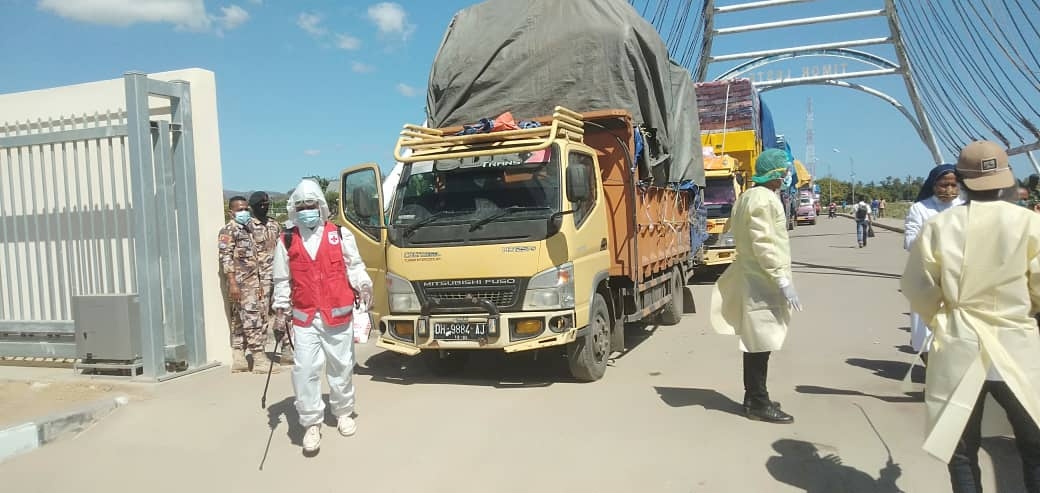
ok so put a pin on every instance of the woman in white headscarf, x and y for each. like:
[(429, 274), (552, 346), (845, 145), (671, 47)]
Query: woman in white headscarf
[(318, 269), (939, 192)]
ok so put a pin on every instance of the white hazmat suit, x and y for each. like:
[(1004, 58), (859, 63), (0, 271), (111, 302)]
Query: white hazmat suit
[(318, 344)]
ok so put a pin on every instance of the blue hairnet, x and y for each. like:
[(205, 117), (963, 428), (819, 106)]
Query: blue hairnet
[(770, 165)]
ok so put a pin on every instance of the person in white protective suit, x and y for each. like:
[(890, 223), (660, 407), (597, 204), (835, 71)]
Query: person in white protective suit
[(754, 297), (973, 275), (318, 272), (939, 192)]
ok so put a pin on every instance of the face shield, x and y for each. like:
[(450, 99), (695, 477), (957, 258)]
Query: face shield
[(306, 193)]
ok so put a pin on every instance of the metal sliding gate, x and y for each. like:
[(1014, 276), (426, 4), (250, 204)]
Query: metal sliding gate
[(97, 205)]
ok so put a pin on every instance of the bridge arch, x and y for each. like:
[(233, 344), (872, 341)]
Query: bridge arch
[(857, 55)]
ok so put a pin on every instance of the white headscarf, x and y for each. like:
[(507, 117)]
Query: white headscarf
[(308, 189)]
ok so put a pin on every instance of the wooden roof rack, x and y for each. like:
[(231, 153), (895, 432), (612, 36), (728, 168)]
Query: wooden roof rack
[(427, 144)]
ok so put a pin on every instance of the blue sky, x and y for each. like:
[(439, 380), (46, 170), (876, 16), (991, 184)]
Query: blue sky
[(311, 87)]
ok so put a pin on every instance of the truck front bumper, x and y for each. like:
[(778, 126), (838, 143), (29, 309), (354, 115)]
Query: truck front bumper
[(509, 332), (719, 256)]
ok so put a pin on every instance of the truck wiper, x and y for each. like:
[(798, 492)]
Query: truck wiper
[(504, 212), (429, 219)]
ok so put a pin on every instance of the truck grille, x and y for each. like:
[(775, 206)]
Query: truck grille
[(713, 239), (453, 295)]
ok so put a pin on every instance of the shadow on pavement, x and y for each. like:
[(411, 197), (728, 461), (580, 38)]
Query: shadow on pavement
[(485, 368), (804, 466), (821, 234), (892, 370), (635, 334), (1007, 466), (846, 269), (708, 399), (905, 348), (815, 389), (286, 408)]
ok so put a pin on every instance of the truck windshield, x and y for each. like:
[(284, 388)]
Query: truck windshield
[(477, 199), (719, 196)]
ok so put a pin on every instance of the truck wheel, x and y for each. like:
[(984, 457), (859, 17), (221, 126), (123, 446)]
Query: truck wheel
[(451, 363), (587, 356), (672, 312)]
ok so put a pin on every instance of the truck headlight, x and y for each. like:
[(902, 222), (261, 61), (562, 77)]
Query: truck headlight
[(402, 294), (552, 289), (726, 239)]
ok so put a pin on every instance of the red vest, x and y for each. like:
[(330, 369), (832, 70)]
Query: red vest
[(320, 285)]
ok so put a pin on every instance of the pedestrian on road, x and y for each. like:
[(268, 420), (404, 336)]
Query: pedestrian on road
[(974, 276), (863, 214), (240, 246), (881, 208), (755, 296), (268, 231), (319, 271), (939, 193)]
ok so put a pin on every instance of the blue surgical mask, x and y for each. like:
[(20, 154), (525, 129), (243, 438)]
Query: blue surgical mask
[(243, 217), (309, 218)]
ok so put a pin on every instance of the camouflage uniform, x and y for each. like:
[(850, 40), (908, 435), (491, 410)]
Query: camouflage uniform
[(240, 253), (266, 237)]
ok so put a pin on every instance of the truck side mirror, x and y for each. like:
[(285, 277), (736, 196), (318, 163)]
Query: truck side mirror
[(363, 205), (577, 183)]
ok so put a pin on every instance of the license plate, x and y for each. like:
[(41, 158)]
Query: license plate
[(459, 331)]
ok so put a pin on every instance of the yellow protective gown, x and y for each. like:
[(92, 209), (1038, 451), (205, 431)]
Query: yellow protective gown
[(747, 300), (974, 277)]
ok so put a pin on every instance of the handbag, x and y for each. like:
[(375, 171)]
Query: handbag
[(870, 231)]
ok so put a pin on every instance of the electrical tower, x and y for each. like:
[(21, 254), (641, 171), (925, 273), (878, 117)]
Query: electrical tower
[(810, 146)]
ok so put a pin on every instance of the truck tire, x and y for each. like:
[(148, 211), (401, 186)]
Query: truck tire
[(672, 312), (452, 363), (588, 355)]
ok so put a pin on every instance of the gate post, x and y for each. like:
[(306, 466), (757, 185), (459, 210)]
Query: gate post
[(144, 226)]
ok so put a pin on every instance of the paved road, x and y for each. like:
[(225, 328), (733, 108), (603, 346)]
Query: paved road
[(666, 418)]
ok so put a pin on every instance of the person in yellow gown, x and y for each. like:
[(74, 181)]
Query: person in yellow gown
[(973, 275), (754, 297)]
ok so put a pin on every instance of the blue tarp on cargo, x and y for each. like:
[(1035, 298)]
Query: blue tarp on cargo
[(767, 127)]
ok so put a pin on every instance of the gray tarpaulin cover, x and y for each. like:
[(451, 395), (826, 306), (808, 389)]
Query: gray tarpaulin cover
[(529, 56)]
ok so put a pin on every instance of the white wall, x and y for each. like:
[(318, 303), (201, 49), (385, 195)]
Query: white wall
[(109, 96)]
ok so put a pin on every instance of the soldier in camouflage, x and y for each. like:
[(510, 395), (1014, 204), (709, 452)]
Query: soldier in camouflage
[(268, 232), (240, 243)]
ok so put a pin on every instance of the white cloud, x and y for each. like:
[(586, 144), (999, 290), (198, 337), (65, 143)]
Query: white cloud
[(311, 23), (232, 17), (347, 42), (312, 152), (362, 68), (189, 14), (391, 19), (407, 90)]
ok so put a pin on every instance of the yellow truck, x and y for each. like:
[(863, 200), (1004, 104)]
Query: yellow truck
[(549, 198), (520, 240), (735, 127)]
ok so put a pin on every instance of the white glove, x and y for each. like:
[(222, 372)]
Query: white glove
[(787, 288)]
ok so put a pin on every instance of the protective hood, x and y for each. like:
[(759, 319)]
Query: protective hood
[(308, 189)]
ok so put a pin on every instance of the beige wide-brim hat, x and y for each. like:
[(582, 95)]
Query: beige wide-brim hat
[(983, 165)]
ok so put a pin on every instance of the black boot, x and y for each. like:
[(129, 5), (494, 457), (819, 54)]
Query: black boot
[(747, 404), (770, 414)]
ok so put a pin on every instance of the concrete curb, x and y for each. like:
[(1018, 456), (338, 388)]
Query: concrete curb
[(39, 432), (896, 229)]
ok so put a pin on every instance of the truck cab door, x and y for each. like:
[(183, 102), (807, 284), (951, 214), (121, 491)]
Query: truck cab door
[(361, 212)]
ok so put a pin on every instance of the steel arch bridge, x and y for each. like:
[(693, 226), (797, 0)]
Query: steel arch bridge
[(996, 106), (915, 114)]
